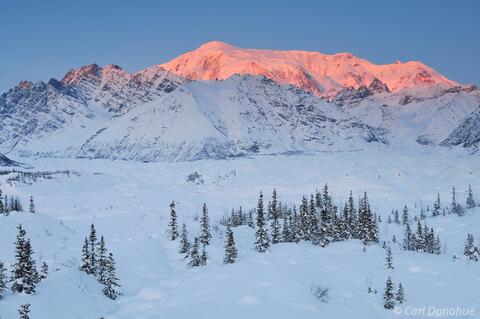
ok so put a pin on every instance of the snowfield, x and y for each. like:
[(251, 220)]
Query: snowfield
[(128, 203)]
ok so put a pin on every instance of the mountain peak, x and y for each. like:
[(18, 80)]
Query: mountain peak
[(215, 45), (318, 73)]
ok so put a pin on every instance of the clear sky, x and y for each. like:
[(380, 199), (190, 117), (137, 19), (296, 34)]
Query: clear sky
[(41, 39)]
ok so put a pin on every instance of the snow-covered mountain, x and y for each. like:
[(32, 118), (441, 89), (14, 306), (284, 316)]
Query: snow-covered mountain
[(221, 101), (318, 73)]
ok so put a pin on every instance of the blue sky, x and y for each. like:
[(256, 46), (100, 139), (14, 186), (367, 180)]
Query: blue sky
[(44, 39)]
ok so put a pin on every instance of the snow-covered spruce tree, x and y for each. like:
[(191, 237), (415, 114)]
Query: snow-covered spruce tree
[(437, 246), (3, 279), (31, 207), (173, 222), (408, 243), (312, 218), (388, 258), (388, 298), (323, 231), (436, 206), (352, 216), (205, 234), (367, 223), (262, 241), (111, 284), (455, 208), (230, 250), (275, 217), (184, 243), (470, 199), (24, 276), (24, 311), (400, 297), (195, 258), (304, 220), (327, 200), (419, 243), (86, 258), (250, 222), (102, 262), (204, 256), (318, 199), (43, 271), (240, 217), (396, 217), (470, 251), (405, 216), (286, 228), (92, 243)]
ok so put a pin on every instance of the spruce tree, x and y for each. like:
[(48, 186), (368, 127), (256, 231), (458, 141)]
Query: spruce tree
[(24, 273), (388, 258), (419, 243), (388, 298), (205, 235), (455, 207), (250, 222), (470, 251), (408, 238), (436, 206), (173, 222), (286, 229), (24, 311), (470, 200), (31, 207), (86, 258), (400, 294), (204, 256), (230, 250), (195, 258), (262, 241), (43, 271), (3, 279), (275, 217), (92, 243), (405, 215), (102, 262), (396, 217), (111, 284), (184, 243), (323, 231)]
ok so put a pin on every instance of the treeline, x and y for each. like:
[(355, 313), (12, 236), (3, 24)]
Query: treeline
[(10, 204)]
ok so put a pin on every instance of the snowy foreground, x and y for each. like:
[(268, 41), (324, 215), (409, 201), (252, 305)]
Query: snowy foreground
[(128, 202)]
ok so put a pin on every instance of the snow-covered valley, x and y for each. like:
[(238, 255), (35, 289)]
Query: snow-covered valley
[(129, 204)]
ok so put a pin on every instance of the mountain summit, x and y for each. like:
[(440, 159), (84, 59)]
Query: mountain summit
[(321, 74)]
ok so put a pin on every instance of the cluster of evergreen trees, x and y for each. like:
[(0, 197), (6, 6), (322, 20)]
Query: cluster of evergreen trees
[(422, 240), (454, 207), (24, 274), (12, 204), (97, 261), (196, 253), (390, 298), (315, 219)]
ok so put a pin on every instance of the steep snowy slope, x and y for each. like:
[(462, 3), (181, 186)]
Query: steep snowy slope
[(242, 115), (412, 116), (467, 134), (311, 71)]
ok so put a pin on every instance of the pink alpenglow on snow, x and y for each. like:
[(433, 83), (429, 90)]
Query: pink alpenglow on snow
[(322, 74)]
